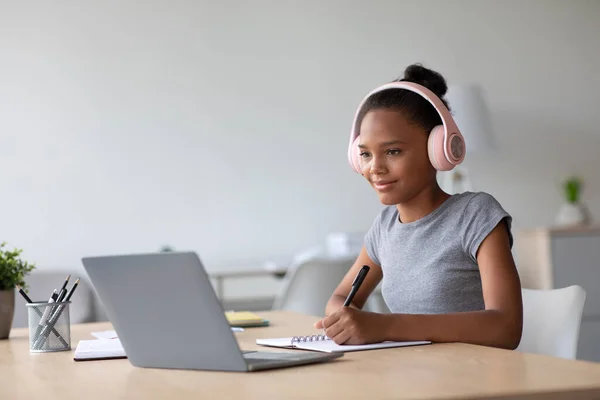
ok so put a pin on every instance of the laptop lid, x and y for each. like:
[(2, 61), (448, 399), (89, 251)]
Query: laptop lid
[(165, 311)]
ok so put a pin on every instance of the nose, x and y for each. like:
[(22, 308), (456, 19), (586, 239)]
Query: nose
[(377, 165)]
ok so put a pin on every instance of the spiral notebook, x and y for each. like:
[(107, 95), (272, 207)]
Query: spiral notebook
[(324, 344)]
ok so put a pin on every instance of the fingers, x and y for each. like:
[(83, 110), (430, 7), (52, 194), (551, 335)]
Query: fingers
[(319, 324), (342, 337), (334, 330), (330, 320)]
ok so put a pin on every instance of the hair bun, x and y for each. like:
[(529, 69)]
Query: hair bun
[(432, 80)]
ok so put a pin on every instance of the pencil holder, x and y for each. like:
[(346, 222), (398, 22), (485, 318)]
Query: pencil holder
[(49, 327)]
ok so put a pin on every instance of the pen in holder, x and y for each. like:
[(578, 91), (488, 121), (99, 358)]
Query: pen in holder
[(49, 327)]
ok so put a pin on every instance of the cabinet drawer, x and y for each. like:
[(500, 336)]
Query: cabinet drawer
[(576, 261)]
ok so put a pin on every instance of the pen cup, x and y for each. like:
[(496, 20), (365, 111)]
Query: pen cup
[(49, 327)]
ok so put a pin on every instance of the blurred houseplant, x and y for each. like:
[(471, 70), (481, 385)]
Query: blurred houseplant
[(572, 211), (167, 249), (12, 272)]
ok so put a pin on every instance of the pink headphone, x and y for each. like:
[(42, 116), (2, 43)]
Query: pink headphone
[(445, 146)]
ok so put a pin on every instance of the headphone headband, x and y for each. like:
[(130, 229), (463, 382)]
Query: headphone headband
[(449, 125)]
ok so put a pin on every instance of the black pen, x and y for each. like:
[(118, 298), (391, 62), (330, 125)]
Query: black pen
[(360, 277), (57, 313), (47, 309), (63, 290), (72, 290)]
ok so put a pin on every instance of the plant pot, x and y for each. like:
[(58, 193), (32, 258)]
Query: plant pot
[(571, 214), (7, 311)]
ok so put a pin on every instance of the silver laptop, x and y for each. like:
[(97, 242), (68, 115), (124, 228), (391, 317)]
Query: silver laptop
[(167, 315)]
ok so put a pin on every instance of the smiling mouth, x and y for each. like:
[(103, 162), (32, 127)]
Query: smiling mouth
[(383, 185)]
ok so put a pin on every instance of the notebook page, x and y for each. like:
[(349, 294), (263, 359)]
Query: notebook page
[(278, 342), (329, 346)]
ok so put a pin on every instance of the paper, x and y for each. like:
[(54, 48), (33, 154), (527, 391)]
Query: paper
[(329, 346), (99, 349), (245, 319), (105, 335)]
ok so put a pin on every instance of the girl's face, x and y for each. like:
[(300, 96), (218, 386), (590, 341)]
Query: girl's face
[(393, 156)]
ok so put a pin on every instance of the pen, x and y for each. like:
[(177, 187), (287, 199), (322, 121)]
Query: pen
[(63, 289), (52, 299), (360, 277), (47, 310)]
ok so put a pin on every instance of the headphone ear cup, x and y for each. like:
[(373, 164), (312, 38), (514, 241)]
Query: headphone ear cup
[(355, 156), (435, 149)]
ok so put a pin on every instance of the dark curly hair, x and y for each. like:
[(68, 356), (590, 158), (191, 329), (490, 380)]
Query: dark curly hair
[(414, 107)]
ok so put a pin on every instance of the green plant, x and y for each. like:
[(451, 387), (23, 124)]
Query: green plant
[(12, 269), (572, 188), (167, 249)]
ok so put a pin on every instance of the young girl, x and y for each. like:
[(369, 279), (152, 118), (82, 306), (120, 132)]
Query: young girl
[(445, 260)]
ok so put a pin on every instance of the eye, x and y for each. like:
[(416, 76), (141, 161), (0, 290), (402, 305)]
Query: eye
[(394, 152), (364, 154)]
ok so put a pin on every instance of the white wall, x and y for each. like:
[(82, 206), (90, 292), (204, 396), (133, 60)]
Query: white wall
[(222, 128)]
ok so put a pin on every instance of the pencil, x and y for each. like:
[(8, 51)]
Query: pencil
[(20, 289), (72, 290)]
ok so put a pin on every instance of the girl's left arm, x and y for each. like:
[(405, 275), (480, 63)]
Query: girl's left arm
[(499, 325)]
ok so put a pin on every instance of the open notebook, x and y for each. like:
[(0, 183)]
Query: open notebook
[(326, 345), (99, 349)]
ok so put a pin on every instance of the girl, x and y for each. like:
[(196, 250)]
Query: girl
[(445, 261)]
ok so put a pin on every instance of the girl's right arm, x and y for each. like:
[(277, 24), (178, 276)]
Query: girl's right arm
[(369, 284)]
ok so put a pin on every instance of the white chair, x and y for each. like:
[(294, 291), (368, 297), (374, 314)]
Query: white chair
[(552, 320), (309, 284)]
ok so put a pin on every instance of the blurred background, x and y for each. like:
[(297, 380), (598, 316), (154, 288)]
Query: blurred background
[(222, 127)]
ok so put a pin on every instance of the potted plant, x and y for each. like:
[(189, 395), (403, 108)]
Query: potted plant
[(166, 249), (572, 211), (12, 272)]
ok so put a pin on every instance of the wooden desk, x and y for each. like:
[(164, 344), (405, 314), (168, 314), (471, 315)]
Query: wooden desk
[(441, 371)]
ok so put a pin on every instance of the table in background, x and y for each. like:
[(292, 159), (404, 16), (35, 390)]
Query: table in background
[(219, 275), (433, 371)]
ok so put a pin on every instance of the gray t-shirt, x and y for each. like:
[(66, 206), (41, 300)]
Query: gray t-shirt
[(429, 265)]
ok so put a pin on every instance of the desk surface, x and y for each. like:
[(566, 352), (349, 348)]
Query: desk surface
[(432, 371)]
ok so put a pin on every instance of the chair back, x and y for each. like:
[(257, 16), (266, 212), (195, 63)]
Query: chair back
[(308, 286), (552, 321)]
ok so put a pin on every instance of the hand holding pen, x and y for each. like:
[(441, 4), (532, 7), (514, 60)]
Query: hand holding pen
[(349, 325)]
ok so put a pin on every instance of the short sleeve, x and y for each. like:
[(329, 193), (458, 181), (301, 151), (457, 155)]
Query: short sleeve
[(481, 215), (372, 240)]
